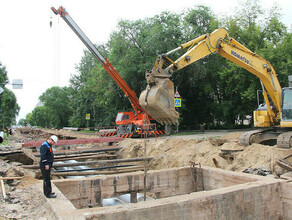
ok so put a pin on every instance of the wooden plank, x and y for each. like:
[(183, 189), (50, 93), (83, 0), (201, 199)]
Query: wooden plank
[(284, 164), (290, 155), (124, 170), (3, 189), (100, 162), (133, 197), (10, 178), (76, 141), (10, 152)]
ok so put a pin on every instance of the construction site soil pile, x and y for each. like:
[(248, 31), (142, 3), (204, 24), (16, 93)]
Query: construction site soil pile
[(223, 152)]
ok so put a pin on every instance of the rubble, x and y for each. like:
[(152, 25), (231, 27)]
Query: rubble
[(262, 171)]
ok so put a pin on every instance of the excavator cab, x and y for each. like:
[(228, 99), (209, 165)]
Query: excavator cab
[(287, 104)]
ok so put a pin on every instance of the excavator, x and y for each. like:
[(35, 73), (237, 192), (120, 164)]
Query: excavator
[(129, 124), (273, 118)]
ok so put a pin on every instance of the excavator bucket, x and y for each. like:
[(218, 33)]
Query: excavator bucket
[(158, 101)]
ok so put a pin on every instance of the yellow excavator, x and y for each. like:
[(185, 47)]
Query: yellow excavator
[(274, 117)]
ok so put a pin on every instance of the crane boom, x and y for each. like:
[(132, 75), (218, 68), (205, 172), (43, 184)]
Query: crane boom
[(104, 62)]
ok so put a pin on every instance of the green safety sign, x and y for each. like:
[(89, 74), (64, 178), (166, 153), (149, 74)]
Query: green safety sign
[(87, 117)]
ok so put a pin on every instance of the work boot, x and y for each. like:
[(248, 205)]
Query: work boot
[(51, 196), (52, 193)]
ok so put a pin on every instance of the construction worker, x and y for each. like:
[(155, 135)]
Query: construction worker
[(46, 163)]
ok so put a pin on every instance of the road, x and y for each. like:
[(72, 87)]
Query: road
[(202, 135)]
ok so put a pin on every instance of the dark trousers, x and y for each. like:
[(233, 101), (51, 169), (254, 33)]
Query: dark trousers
[(47, 180)]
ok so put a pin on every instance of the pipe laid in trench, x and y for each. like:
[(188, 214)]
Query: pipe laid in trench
[(124, 170), (97, 168), (100, 162), (85, 157), (83, 151)]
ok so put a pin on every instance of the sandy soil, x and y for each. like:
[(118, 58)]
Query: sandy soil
[(180, 151), (25, 201)]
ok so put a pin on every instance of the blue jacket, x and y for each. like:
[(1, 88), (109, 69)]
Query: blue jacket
[(47, 155)]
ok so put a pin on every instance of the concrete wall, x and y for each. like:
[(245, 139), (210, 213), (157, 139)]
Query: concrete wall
[(162, 183), (286, 199), (231, 195), (245, 201), (214, 178)]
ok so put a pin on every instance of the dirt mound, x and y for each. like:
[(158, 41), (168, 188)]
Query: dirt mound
[(27, 180), (177, 152)]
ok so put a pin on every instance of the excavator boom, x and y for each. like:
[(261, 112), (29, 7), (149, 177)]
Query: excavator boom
[(158, 98)]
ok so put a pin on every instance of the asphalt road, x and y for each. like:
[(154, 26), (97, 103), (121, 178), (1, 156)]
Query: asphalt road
[(201, 135)]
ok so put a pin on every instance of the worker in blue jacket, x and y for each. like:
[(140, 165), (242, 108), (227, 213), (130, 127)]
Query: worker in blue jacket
[(46, 163)]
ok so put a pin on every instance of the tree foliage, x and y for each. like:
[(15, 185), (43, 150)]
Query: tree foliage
[(40, 116), (215, 92), (8, 105), (55, 111)]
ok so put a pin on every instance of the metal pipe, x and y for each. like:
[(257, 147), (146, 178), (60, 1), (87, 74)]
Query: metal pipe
[(98, 168), (92, 162), (124, 170)]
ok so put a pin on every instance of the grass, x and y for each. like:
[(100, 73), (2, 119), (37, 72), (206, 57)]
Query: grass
[(87, 131), (6, 140), (186, 133)]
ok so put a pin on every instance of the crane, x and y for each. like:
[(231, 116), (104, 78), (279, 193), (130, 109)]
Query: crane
[(127, 122)]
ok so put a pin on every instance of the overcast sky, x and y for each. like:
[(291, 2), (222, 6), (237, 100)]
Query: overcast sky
[(44, 57)]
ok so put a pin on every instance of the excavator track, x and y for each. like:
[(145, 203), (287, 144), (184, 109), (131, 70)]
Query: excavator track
[(261, 136), (284, 140), (247, 138)]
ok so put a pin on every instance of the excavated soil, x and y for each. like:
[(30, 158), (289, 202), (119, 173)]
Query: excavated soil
[(223, 152), (25, 201)]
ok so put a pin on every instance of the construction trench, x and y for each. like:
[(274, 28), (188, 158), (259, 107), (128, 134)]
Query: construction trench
[(104, 179)]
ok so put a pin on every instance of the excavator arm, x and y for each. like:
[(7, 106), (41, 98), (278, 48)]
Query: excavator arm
[(158, 97)]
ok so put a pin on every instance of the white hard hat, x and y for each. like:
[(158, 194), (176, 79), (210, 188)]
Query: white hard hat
[(54, 138)]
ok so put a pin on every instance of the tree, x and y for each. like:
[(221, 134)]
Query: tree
[(57, 109), (22, 121), (40, 116), (89, 91), (8, 106), (215, 91), (263, 33)]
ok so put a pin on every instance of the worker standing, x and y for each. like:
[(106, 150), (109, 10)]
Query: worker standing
[(46, 163)]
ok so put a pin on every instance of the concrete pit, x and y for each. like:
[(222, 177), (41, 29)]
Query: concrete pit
[(180, 193)]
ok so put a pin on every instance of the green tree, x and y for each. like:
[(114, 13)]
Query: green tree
[(261, 32), (215, 91), (89, 92), (57, 109), (9, 108), (8, 105), (22, 121), (40, 116)]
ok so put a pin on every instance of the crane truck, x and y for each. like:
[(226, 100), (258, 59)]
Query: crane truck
[(273, 118), (128, 123)]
